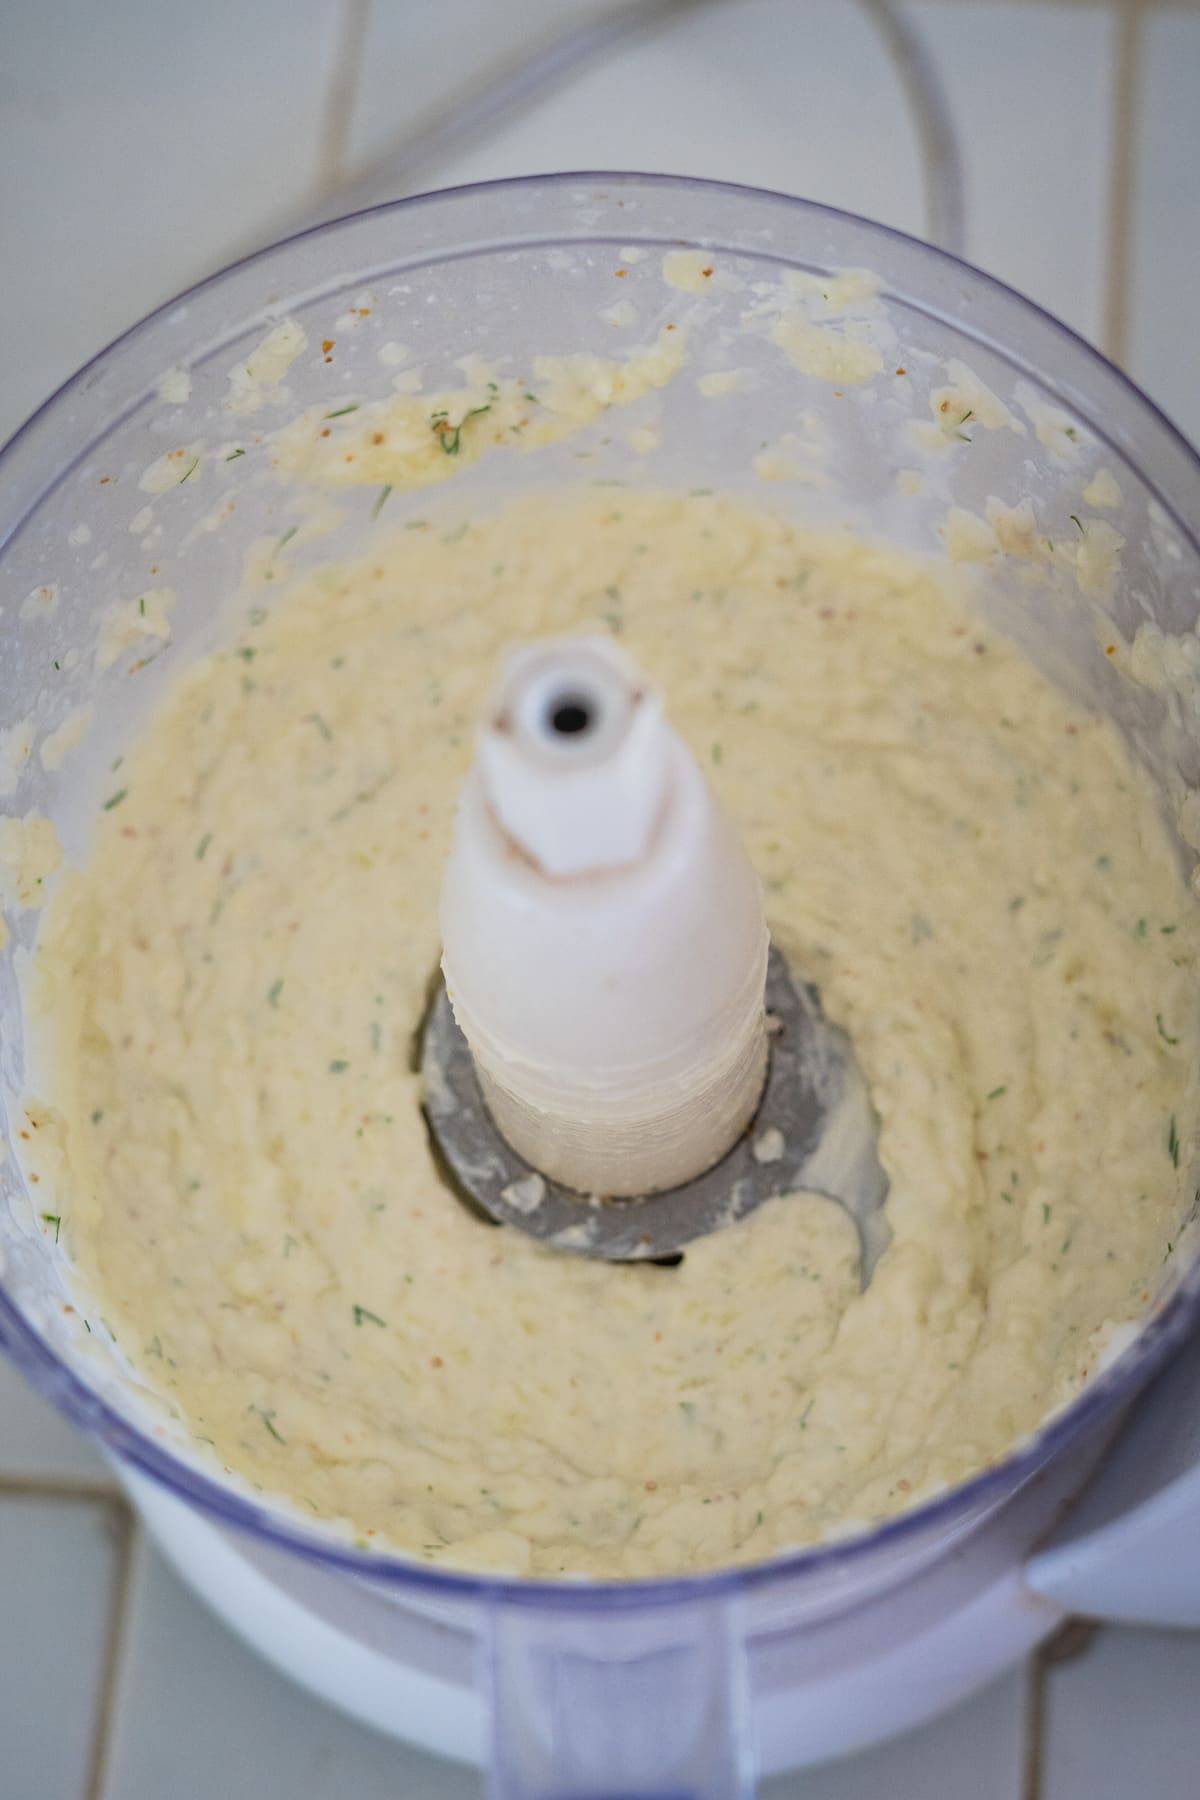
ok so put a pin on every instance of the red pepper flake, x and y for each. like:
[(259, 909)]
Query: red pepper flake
[(327, 344), (104, 480), (325, 433), (651, 1487), (706, 273), (670, 328), (435, 1362), (378, 437), (620, 274), (1110, 649), (902, 371)]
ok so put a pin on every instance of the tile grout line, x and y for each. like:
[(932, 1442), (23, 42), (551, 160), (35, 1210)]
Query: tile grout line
[(1122, 169), (114, 1648), (34, 1487), (1033, 1734), (334, 137)]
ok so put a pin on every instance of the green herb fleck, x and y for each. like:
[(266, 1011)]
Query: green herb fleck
[(285, 539), (448, 436), (805, 1413), (247, 652), (1007, 1197), (996, 1093), (532, 398), (1173, 1142), (202, 846), (97, 1114), (315, 718), (55, 1220), (274, 991), (191, 470), (969, 414), (1075, 520), (338, 1066), (342, 411), (381, 500), (361, 1313), (1168, 930), (1046, 1211), (142, 605), (1139, 930), (376, 1035), (1070, 431), (234, 454), (688, 1409), (1163, 1033), (717, 754), (268, 1419), (115, 799)]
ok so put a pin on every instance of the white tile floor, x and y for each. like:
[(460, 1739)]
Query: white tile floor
[(125, 179)]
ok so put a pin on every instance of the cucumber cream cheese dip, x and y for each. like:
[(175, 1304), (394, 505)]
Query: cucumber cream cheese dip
[(973, 871)]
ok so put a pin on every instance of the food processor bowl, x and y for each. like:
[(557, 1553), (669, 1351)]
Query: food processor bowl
[(644, 1687)]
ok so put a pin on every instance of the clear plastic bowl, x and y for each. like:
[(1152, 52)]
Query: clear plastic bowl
[(512, 270)]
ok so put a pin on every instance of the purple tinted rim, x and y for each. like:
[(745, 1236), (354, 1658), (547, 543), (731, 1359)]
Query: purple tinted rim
[(1163, 1334)]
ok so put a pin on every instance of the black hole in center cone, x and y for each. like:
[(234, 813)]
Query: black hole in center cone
[(570, 716)]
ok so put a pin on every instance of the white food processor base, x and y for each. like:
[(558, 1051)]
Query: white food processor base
[(818, 1691)]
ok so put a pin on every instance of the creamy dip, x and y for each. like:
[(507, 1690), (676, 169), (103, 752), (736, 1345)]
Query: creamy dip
[(971, 868)]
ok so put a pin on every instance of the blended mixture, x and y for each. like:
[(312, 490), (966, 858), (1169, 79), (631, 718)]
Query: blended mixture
[(973, 871)]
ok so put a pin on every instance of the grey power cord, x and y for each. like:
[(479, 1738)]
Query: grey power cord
[(945, 209), (482, 106)]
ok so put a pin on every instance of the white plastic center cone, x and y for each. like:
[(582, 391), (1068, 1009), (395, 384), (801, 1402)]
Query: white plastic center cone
[(604, 944)]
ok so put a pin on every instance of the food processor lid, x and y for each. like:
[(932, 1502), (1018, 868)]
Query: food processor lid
[(605, 209)]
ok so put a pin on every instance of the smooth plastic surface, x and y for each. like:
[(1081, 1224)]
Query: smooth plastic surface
[(1131, 1549), (573, 756), (510, 272), (609, 980)]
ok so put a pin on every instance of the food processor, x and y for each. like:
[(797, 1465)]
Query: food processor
[(698, 1684)]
